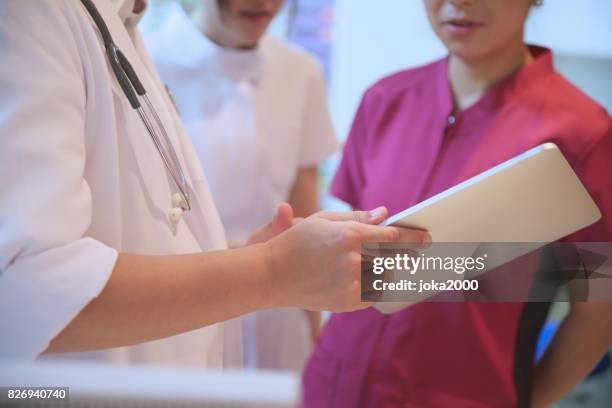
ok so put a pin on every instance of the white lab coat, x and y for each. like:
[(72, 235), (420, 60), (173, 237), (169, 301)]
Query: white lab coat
[(255, 117), (81, 181)]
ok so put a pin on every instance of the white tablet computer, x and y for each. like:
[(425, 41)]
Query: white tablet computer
[(534, 197)]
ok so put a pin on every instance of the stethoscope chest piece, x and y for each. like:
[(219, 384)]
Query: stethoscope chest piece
[(175, 214), (178, 203)]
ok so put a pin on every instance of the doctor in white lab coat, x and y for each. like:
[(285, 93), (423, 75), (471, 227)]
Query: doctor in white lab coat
[(82, 178), (256, 111), (89, 258)]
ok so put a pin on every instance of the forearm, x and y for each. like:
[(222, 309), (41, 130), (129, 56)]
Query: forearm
[(152, 297), (313, 265), (580, 342)]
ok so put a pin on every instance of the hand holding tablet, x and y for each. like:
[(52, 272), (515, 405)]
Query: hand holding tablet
[(533, 198)]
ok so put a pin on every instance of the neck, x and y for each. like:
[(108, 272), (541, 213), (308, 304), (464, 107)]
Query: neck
[(470, 79)]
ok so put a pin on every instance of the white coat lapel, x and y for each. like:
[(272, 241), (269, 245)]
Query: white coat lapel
[(143, 148)]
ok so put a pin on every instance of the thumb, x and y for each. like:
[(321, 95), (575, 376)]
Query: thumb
[(283, 220)]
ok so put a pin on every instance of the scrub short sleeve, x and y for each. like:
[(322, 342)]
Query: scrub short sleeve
[(595, 172), (318, 139), (349, 179), (49, 268)]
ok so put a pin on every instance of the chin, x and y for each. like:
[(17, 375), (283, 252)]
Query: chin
[(466, 51), (251, 37)]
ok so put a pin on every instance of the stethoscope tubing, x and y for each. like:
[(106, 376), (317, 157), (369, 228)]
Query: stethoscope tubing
[(132, 88)]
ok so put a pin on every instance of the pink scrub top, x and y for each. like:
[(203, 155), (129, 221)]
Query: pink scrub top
[(405, 146)]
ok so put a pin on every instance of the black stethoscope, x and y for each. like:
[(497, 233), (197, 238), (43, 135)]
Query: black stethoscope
[(135, 92)]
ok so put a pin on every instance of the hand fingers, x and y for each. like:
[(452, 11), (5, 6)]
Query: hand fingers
[(376, 216), (283, 219), (296, 220), (414, 235), (372, 233)]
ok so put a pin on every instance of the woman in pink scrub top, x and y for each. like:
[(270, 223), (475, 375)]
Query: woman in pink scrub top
[(419, 132)]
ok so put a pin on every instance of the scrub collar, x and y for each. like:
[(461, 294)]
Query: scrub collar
[(188, 46), (541, 67)]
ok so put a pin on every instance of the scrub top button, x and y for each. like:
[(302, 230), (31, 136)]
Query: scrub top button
[(452, 119)]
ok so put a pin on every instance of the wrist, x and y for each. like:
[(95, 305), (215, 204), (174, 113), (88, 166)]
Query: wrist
[(274, 291)]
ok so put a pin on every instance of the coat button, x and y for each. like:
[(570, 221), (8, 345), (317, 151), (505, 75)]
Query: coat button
[(175, 214)]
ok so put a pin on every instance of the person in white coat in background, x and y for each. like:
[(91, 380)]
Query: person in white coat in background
[(255, 108), (94, 251)]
